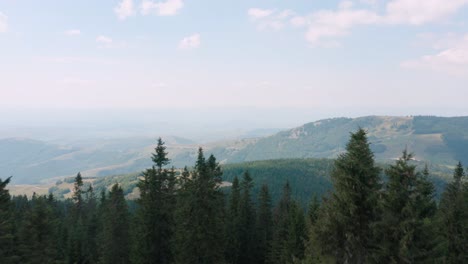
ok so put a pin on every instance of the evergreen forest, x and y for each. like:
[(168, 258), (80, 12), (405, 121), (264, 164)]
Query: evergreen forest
[(371, 214)]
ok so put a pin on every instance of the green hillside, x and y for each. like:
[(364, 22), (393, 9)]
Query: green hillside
[(436, 140), (307, 177), (440, 140)]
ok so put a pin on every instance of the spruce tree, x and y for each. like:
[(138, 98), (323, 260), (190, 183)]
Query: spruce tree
[(453, 218), (155, 214), (77, 231), (246, 222), (233, 251), (353, 203), (289, 234), (405, 232), (264, 224), (115, 237), (6, 224), (200, 210), (37, 233), (425, 207)]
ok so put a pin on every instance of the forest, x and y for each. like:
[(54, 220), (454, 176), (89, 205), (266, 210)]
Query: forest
[(372, 214)]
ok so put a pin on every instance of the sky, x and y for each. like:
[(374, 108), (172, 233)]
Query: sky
[(338, 58)]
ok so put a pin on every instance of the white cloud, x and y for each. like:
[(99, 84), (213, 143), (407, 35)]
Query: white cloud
[(298, 21), (452, 58), (269, 18), (329, 24), (190, 42), (346, 4), (166, 8), (105, 42), (73, 32), (103, 39), (124, 9), (257, 13), (416, 12), (324, 26), (3, 23)]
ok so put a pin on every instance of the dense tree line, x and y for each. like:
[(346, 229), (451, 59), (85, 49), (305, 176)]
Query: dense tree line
[(188, 218)]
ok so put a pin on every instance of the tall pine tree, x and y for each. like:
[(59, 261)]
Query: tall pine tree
[(264, 224), (353, 203), (6, 223), (155, 215), (115, 223), (405, 230), (453, 218), (200, 212), (247, 230)]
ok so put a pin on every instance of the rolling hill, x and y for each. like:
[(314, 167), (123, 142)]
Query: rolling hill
[(436, 140), (439, 140)]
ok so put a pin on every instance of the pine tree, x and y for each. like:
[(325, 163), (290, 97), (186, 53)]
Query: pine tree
[(246, 222), (264, 224), (115, 238), (37, 233), (425, 207), (200, 210), (354, 201), (6, 224), (155, 215), (313, 253), (407, 211), (233, 251), (453, 218), (90, 219), (77, 231), (78, 195), (289, 234)]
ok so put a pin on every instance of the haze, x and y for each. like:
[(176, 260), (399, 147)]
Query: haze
[(236, 65)]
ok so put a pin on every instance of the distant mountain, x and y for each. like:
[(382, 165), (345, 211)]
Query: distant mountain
[(31, 161), (437, 140), (440, 140)]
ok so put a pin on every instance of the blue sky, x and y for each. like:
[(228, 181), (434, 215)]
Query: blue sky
[(363, 56)]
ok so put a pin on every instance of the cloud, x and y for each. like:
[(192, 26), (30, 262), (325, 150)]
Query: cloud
[(451, 58), (103, 39), (3, 23), (269, 18), (325, 26), (105, 42), (257, 13), (73, 32), (124, 9), (166, 8), (416, 12), (329, 24), (298, 21), (190, 42)]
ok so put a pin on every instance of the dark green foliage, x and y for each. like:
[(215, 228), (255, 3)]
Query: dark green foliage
[(183, 217), (307, 177), (405, 232), (453, 218), (353, 203), (115, 228), (6, 223), (246, 217), (38, 232), (155, 214), (264, 225), (289, 235), (233, 224), (200, 212)]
